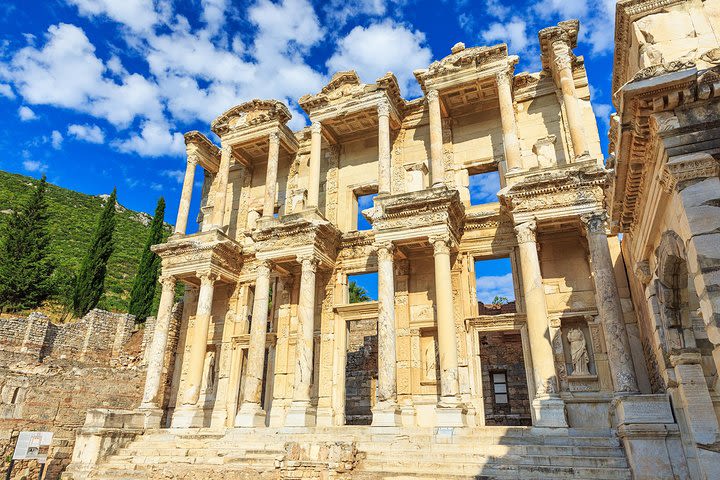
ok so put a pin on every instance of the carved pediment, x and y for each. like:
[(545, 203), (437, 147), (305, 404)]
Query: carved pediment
[(251, 113), (462, 58)]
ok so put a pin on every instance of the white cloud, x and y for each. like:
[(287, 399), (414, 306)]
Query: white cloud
[(56, 139), (157, 187), (514, 33), (340, 11), (484, 188), (26, 114), (34, 166), (214, 13), (383, 47), (87, 133), (66, 73), (139, 15), (154, 140), (488, 287), (561, 8), (602, 113), (6, 91), (177, 175)]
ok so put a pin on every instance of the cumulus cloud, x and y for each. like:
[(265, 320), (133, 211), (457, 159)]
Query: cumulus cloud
[(484, 188), (56, 139), (602, 113), (154, 140), (6, 91), (34, 166), (138, 15), (341, 11), (26, 114), (490, 286), (381, 47), (87, 133), (514, 33), (177, 175)]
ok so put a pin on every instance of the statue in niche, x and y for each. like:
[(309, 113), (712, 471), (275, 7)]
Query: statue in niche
[(578, 352), (431, 360), (209, 380)]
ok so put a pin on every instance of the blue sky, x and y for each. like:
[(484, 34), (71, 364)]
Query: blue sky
[(97, 93)]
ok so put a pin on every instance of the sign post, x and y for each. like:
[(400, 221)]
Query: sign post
[(31, 446)]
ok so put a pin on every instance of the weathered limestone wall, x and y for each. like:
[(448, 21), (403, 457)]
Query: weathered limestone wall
[(50, 375)]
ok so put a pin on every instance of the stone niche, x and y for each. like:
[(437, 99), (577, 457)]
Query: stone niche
[(579, 356)]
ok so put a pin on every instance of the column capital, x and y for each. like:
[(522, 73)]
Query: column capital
[(264, 267), (315, 127), (561, 54), (383, 108), (193, 159), (432, 95), (526, 232), (441, 244), (308, 262), (207, 278), (504, 77), (595, 222), (274, 138), (384, 250), (167, 281)]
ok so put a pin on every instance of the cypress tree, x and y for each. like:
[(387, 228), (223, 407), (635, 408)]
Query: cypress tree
[(145, 284), (91, 278), (25, 266)]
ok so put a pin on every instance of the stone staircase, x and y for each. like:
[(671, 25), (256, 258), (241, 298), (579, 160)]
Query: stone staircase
[(366, 453)]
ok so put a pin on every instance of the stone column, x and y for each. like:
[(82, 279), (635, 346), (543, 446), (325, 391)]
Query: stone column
[(511, 144), (562, 60), (548, 408), (271, 175), (437, 168), (156, 357), (218, 213), (251, 412), (608, 304), (196, 362), (315, 152), (386, 412), (300, 413), (384, 168), (449, 411), (186, 195)]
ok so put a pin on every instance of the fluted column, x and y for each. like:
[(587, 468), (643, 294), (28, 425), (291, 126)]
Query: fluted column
[(511, 144), (315, 151), (548, 408), (196, 362), (386, 411), (218, 213), (301, 413), (384, 171), (251, 413), (158, 345), (608, 304), (437, 168), (271, 175), (562, 61), (186, 195)]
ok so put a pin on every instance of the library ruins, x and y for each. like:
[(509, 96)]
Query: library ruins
[(605, 365)]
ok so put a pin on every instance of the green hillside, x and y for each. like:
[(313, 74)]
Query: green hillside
[(73, 216)]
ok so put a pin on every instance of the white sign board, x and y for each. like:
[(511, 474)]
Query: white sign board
[(33, 446)]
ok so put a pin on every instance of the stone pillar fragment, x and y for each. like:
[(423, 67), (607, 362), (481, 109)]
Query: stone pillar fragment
[(449, 411), (271, 175), (386, 411), (300, 413), (562, 66), (511, 144), (384, 168), (186, 195), (548, 408), (198, 346), (158, 345), (251, 413), (437, 168), (608, 305), (315, 156), (218, 213)]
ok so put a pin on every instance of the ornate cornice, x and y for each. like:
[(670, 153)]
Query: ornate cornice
[(250, 113), (465, 58), (679, 170)]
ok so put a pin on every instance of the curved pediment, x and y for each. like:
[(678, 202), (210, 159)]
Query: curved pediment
[(251, 113)]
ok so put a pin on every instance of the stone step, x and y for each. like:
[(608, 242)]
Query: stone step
[(475, 458)]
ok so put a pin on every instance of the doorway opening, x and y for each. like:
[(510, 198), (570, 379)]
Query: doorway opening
[(361, 371), (504, 377)]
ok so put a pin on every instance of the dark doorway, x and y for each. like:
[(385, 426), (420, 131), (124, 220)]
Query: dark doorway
[(360, 371)]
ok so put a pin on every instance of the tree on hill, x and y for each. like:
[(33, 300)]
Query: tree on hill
[(91, 277), (145, 284), (357, 293), (25, 266)]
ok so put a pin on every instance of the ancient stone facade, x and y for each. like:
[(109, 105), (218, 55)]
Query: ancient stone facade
[(273, 364)]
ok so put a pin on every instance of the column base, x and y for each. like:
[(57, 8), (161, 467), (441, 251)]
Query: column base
[(188, 416), (325, 417), (250, 415), (549, 412), (300, 414), (450, 416), (152, 415), (407, 415), (387, 415)]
